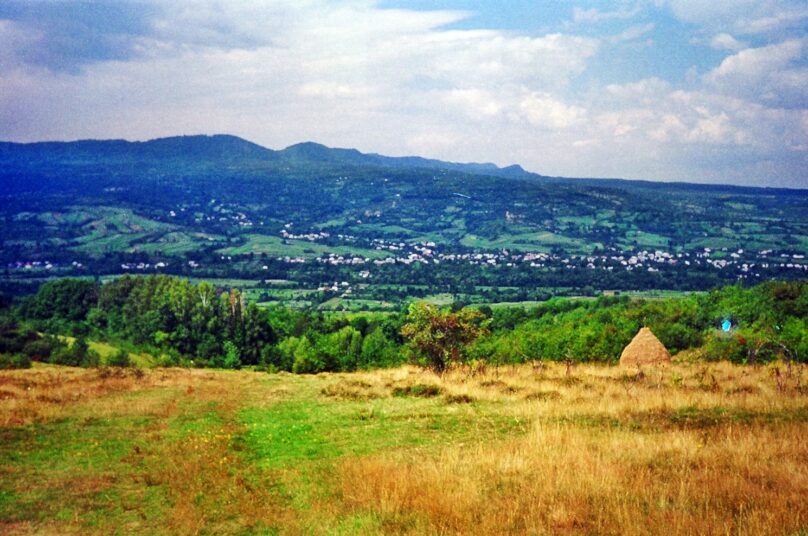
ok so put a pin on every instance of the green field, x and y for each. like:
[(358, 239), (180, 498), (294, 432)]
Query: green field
[(512, 450), (355, 305), (177, 243), (108, 229), (534, 241), (276, 246), (106, 350), (642, 239)]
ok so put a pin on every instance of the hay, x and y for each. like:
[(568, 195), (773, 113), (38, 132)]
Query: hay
[(644, 349)]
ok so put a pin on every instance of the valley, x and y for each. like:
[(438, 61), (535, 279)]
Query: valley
[(315, 218)]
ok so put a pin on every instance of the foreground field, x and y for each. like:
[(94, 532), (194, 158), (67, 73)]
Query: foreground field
[(689, 449)]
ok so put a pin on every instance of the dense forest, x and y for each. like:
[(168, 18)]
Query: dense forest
[(200, 325)]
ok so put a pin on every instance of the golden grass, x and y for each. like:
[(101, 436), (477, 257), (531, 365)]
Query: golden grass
[(49, 392), (563, 479), (557, 391), (681, 449), (545, 449)]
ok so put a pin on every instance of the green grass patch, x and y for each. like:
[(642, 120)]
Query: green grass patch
[(277, 246), (76, 469), (643, 239), (291, 431), (542, 241)]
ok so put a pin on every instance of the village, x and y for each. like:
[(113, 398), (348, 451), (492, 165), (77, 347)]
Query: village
[(745, 263)]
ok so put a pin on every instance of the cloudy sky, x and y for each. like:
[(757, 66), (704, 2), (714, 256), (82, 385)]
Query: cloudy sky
[(702, 91)]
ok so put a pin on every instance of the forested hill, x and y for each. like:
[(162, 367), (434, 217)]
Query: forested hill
[(221, 149), (310, 216), (200, 325)]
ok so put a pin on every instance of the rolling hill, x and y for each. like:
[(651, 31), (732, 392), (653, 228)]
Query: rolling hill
[(226, 207)]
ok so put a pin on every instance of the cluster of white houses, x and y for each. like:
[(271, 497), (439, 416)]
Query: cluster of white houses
[(745, 263), (652, 261)]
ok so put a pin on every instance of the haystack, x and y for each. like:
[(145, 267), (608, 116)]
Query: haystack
[(644, 349)]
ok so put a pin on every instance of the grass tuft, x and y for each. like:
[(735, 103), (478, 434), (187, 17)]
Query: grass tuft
[(420, 389)]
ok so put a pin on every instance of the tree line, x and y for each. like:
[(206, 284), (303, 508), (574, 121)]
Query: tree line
[(200, 325)]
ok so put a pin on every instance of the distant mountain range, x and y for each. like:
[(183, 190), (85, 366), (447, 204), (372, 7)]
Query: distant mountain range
[(221, 206), (222, 148)]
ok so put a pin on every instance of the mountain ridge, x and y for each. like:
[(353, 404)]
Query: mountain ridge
[(221, 206), (227, 148)]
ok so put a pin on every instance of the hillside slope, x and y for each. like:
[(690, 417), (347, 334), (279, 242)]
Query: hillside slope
[(208, 205)]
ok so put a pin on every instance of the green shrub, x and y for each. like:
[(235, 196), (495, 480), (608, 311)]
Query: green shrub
[(307, 360), (743, 346), (91, 359), (42, 349), (15, 361), (120, 359), (439, 338), (232, 356), (77, 354), (273, 359)]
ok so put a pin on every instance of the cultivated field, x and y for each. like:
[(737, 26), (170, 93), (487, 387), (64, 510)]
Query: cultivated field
[(688, 449)]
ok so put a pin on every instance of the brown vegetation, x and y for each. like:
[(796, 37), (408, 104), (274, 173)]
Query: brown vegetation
[(562, 478), (544, 449), (685, 449), (204, 484), (644, 349), (50, 392)]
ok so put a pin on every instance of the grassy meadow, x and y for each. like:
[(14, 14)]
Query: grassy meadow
[(545, 449)]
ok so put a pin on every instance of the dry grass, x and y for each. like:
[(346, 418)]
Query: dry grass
[(208, 485), (564, 479), (49, 392), (562, 392), (544, 449), (679, 449), (187, 456)]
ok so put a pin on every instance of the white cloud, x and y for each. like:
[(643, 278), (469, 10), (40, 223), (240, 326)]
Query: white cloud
[(331, 90), (757, 62), (633, 32), (725, 41), (594, 15), (645, 92), (544, 111), (766, 74), (742, 16), (476, 103), (493, 59), (793, 18), (399, 81)]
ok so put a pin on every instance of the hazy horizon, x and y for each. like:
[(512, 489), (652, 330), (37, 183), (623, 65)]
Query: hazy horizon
[(670, 90)]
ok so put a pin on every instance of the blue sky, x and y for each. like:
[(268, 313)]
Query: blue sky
[(654, 89)]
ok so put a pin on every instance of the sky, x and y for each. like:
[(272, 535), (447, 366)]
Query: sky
[(687, 90)]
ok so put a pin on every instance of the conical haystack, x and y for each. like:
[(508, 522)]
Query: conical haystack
[(644, 349)]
